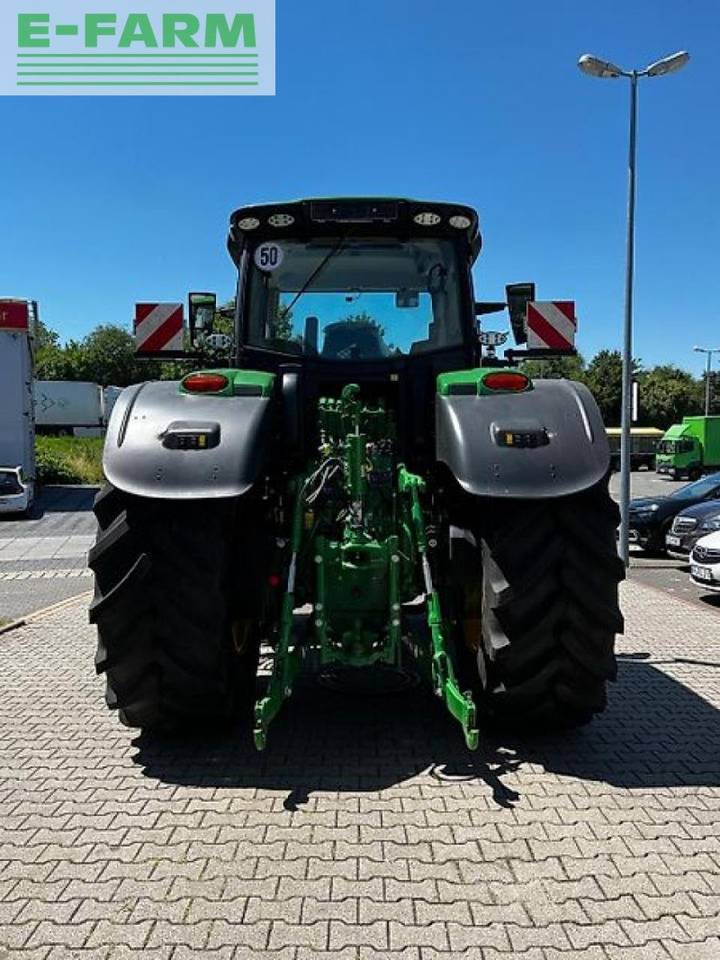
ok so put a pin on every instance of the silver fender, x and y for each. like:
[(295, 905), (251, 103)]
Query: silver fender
[(575, 457), (139, 460)]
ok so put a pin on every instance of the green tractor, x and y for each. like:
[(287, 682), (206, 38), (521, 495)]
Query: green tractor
[(354, 478)]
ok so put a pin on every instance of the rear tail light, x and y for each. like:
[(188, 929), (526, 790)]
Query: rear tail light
[(10, 483), (205, 383), (512, 382)]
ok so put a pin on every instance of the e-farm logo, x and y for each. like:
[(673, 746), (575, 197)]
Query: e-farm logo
[(76, 47)]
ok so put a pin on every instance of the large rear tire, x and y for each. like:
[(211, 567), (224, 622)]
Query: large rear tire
[(168, 606), (549, 608)]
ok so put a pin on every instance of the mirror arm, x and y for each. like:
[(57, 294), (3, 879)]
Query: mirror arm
[(482, 308)]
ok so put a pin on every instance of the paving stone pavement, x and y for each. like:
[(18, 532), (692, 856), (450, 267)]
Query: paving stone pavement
[(43, 560), (366, 831)]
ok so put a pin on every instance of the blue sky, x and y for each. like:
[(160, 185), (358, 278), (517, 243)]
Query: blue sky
[(109, 201)]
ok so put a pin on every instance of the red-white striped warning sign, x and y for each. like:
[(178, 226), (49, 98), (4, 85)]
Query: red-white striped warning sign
[(551, 325), (158, 327)]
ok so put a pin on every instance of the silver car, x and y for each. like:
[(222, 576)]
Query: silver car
[(689, 526)]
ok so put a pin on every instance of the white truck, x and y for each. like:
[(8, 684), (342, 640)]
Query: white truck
[(17, 430), (69, 407)]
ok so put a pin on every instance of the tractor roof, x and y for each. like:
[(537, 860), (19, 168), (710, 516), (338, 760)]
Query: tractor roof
[(361, 216)]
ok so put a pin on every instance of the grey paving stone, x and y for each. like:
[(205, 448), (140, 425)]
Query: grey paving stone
[(363, 833)]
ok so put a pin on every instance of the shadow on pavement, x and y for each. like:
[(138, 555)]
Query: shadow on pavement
[(656, 733), (57, 499), (712, 600)]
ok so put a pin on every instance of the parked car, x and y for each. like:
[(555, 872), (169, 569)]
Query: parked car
[(650, 517), (689, 526), (705, 562)]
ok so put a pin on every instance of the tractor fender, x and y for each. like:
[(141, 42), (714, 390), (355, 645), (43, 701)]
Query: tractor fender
[(146, 447), (547, 442)]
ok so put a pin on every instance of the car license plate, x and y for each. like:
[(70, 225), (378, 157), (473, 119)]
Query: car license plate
[(672, 541), (701, 573)]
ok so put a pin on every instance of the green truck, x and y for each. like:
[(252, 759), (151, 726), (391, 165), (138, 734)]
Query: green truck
[(690, 448)]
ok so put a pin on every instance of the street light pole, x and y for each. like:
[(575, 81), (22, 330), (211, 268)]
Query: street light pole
[(709, 353), (595, 67), (626, 412)]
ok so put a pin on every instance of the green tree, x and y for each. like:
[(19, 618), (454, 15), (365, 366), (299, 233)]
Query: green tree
[(363, 319), (224, 321), (604, 378), (44, 336), (108, 357), (667, 394), (55, 362), (556, 368), (49, 360)]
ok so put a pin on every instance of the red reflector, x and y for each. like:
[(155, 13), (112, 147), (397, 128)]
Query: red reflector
[(205, 382), (506, 381), (274, 580)]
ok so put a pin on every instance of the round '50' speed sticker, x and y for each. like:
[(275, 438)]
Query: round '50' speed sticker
[(269, 256)]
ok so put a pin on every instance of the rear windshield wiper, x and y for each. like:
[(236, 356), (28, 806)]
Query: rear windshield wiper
[(318, 270)]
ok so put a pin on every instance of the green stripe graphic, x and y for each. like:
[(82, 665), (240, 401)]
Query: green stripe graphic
[(155, 66), (144, 65), (133, 83), (124, 55), (136, 73)]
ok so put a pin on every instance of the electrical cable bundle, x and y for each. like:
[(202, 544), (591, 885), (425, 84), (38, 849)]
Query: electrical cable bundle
[(317, 480)]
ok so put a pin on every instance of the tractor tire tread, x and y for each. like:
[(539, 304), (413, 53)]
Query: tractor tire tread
[(162, 608), (550, 615)]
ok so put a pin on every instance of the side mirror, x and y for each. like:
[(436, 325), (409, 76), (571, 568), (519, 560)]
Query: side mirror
[(201, 309), (518, 296)]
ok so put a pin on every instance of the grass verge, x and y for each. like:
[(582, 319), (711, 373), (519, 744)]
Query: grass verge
[(69, 459)]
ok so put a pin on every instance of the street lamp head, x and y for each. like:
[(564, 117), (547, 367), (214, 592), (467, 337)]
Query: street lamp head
[(594, 67), (671, 64)]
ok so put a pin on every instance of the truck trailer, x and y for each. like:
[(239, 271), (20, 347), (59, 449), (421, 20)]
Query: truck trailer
[(643, 446), (690, 448), (69, 407), (17, 429)]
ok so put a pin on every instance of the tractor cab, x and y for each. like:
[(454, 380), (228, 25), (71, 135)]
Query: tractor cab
[(375, 291), (337, 281)]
